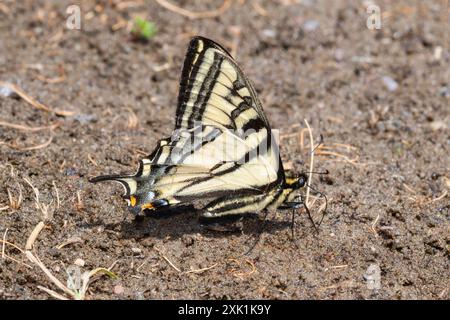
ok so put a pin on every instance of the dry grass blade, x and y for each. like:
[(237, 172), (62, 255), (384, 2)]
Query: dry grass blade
[(374, 223), (442, 196), (85, 277), (91, 159), (19, 262), (338, 155), (12, 245), (4, 208), (62, 74), (128, 4), (27, 128), (53, 293), (167, 260), (242, 275), (195, 15), (132, 122), (35, 147), (36, 104), (14, 203), (34, 234), (87, 280), (311, 162), (202, 269), (69, 241), (47, 272), (44, 208)]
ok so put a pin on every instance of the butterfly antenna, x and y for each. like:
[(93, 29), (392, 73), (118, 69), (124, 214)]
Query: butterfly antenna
[(319, 144), (258, 237)]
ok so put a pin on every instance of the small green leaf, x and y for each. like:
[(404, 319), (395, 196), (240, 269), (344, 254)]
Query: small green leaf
[(143, 29)]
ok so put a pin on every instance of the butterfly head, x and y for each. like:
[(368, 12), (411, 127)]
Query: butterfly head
[(296, 182)]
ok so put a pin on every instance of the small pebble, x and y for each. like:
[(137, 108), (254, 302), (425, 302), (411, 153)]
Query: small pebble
[(119, 290), (85, 118), (79, 262), (437, 53), (70, 171), (390, 83), (437, 125), (444, 92), (269, 33), (339, 55), (7, 92), (311, 25), (139, 295), (136, 251)]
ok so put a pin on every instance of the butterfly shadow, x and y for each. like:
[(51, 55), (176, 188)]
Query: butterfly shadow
[(177, 223)]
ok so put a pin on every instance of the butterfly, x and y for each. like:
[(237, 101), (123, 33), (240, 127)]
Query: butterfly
[(222, 149)]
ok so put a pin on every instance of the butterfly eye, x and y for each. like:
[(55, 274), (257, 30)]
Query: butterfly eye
[(301, 181)]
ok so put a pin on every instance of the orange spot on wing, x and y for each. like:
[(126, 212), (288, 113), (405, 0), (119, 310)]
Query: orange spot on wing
[(147, 206), (132, 201)]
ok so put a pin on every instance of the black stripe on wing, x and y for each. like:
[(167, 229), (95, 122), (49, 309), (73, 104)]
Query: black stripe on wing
[(194, 57), (200, 74)]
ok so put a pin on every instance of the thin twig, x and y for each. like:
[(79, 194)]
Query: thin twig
[(35, 147), (12, 245), (241, 275), (195, 15), (58, 79), (374, 223), (338, 155), (167, 259), (92, 160), (36, 104), (202, 269), (442, 196), (71, 240), (27, 128), (18, 261)]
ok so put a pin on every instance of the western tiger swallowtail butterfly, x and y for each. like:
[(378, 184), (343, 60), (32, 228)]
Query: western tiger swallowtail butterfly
[(222, 149)]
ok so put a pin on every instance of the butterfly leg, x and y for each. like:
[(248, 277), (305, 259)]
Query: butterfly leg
[(296, 205)]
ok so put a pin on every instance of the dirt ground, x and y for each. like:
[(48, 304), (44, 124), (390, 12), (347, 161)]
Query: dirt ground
[(380, 98)]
